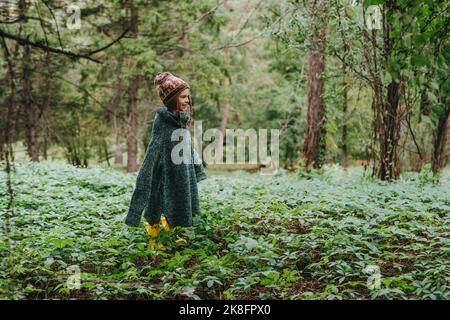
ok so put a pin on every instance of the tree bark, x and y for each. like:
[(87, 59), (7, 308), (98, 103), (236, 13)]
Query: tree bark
[(29, 106), (26, 102), (226, 84), (46, 137), (386, 100), (132, 125), (389, 140), (440, 140), (7, 151), (44, 112), (447, 157), (116, 102), (344, 148), (314, 146), (224, 121), (390, 134), (133, 92), (118, 148)]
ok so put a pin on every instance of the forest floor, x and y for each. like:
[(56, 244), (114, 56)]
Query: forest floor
[(288, 236)]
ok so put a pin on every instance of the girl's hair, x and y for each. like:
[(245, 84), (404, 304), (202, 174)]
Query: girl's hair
[(174, 106)]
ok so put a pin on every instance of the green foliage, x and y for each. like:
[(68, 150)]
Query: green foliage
[(260, 237)]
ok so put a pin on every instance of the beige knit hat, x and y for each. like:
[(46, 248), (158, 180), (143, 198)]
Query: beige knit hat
[(169, 86)]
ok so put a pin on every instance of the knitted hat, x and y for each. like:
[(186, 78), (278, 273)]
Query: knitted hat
[(169, 86)]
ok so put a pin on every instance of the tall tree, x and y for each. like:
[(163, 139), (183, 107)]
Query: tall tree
[(386, 97), (314, 145), (226, 85), (29, 106), (440, 140), (133, 96)]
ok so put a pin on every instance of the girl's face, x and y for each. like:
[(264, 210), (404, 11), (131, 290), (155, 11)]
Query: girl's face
[(184, 101)]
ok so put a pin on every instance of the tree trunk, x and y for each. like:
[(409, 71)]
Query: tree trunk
[(132, 125), (314, 146), (133, 92), (6, 148), (226, 83), (118, 149), (440, 140), (224, 121), (344, 124), (387, 119), (447, 161), (390, 134), (45, 155), (29, 107), (118, 153), (44, 113), (389, 140), (46, 136)]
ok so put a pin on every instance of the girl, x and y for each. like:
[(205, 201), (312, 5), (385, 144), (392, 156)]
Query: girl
[(164, 185)]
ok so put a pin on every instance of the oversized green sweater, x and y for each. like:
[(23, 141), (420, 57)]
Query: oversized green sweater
[(162, 185)]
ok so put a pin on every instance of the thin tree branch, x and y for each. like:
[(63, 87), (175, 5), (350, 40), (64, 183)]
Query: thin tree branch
[(42, 46), (247, 41), (56, 23), (91, 96), (205, 15), (414, 138), (110, 44)]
